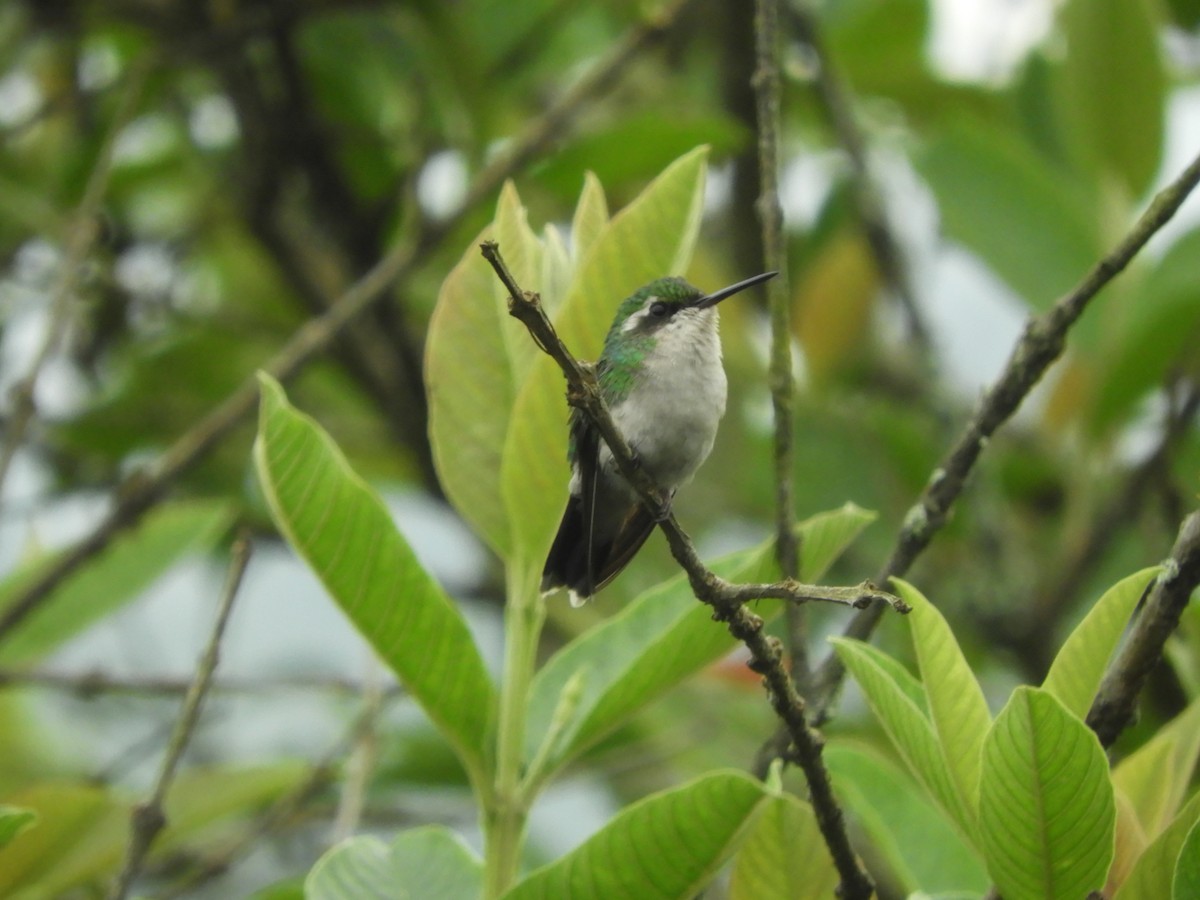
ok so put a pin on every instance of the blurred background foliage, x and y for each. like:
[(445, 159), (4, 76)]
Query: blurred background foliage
[(265, 154)]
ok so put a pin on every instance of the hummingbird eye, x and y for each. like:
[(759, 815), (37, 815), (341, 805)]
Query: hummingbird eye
[(658, 309)]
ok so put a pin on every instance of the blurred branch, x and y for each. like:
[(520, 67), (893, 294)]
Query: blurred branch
[(1041, 343), (88, 685), (149, 818), (362, 760), (837, 103), (1028, 631), (726, 599), (1113, 709), (280, 812), (82, 229), (145, 488)]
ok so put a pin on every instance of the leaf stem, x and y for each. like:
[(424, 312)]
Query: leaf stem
[(506, 810)]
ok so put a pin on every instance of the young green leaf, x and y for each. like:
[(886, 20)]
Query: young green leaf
[(1046, 808), (1154, 872), (908, 728), (471, 385), (666, 846), (783, 856), (1156, 776), (345, 534), (1076, 671), (890, 807), (591, 216), (1186, 885), (14, 820), (118, 576), (661, 638), (652, 237), (430, 861), (957, 709)]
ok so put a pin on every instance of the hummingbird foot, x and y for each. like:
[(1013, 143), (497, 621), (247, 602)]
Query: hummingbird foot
[(663, 511)]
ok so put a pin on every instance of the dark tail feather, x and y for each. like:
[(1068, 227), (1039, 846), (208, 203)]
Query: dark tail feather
[(567, 563)]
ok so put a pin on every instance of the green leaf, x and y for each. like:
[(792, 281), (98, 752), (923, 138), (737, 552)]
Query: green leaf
[(422, 862), (1186, 885), (119, 575), (471, 385), (1046, 809), (957, 709), (908, 728), (1075, 674), (591, 216), (1031, 223), (659, 639), (1156, 776), (891, 808), (668, 845), (523, 254), (1156, 335), (343, 531), (1153, 873), (14, 820), (78, 840), (1114, 87), (652, 237), (783, 856)]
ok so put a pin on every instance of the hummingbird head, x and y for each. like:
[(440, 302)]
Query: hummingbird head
[(667, 304)]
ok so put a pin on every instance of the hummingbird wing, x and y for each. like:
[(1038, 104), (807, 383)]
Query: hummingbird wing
[(586, 555)]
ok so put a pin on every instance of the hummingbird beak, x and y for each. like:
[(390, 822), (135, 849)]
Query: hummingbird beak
[(715, 298)]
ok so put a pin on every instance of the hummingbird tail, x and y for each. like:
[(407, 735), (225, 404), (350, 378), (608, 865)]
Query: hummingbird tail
[(567, 563)]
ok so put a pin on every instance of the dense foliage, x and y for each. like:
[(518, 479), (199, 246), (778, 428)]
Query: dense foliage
[(206, 202)]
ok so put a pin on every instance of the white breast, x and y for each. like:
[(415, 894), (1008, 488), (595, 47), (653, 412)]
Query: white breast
[(670, 417)]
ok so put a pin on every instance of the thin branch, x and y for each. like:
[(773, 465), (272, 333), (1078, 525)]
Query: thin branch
[(837, 102), (1040, 344), (1113, 709), (767, 97), (149, 818), (82, 229), (141, 491), (88, 685), (727, 600), (363, 757), (280, 812)]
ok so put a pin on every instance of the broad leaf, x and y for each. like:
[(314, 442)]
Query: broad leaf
[(1154, 872), (1075, 674), (957, 708), (908, 728), (1156, 776), (471, 386), (1114, 88), (1034, 227), (1186, 885), (783, 856), (14, 820), (890, 807), (652, 237), (591, 217), (343, 531), (119, 575), (1046, 808), (422, 862), (668, 845), (659, 639)]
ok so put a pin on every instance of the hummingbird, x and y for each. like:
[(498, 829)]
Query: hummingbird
[(660, 374)]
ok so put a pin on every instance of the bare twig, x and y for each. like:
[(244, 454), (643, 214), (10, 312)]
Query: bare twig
[(352, 799), (1113, 709), (280, 812), (87, 685), (82, 229), (144, 489), (1040, 344), (727, 600), (149, 818), (837, 103)]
